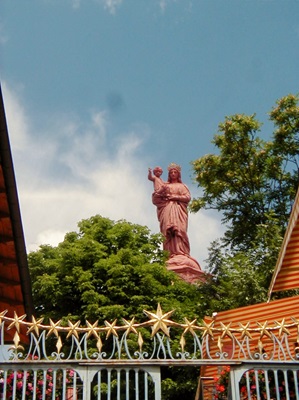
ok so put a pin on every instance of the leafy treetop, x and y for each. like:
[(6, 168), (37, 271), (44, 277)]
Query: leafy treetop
[(252, 182), (105, 271), (251, 178)]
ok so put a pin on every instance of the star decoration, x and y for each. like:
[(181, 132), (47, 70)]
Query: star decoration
[(264, 330), (34, 326), (2, 315), (282, 327), (245, 331), (189, 326), (208, 329), (54, 327), (73, 330), (111, 328), (92, 330), (130, 326), (16, 321), (160, 321), (226, 330)]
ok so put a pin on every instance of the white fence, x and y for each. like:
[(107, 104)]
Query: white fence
[(123, 362)]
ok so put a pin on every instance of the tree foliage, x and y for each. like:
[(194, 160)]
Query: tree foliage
[(241, 278), (251, 178), (105, 271), (253, 183)]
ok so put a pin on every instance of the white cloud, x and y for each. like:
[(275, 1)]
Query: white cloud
[(163, 4), (3, 36), (68, 172), (49, 236), (111, 5), (76, 4), (16, 119), (204, 227)]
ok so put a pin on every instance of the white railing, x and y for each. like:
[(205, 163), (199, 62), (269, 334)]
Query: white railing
[(31, 380), (265, 381)]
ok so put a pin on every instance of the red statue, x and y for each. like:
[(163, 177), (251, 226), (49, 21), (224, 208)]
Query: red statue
[(171, 199)]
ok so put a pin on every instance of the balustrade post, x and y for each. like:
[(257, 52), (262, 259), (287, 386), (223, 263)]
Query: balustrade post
[(155, 373), (235, 376), (86, 374)]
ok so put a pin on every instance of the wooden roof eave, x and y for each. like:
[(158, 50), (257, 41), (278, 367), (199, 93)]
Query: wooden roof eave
[(292, 222), (14, 210)]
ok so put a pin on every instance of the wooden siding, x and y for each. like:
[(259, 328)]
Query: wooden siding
[(276, 310)]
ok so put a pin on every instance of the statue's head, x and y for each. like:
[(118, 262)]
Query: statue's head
[(176, 167), (158, 171)]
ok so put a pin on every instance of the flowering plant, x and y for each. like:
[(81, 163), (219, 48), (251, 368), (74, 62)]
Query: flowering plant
[(222, 382), (255, 381), (13, 384)]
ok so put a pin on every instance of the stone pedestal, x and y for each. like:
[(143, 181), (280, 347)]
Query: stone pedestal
[(187, 268)]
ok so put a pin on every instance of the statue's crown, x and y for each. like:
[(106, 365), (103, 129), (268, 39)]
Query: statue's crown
[(174, 166)]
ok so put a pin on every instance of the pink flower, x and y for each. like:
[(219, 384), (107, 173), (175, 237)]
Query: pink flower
[(19, 385)]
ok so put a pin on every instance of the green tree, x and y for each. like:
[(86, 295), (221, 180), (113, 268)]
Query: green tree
[(252, 183), (241, 278), (107, 270), (251, 178), (112, 270)]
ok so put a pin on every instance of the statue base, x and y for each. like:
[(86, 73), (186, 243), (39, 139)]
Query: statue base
[(186, 268)]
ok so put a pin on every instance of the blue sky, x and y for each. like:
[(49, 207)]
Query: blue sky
[(97, 91)]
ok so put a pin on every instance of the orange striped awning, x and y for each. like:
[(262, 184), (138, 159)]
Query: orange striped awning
[(286, 272)]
